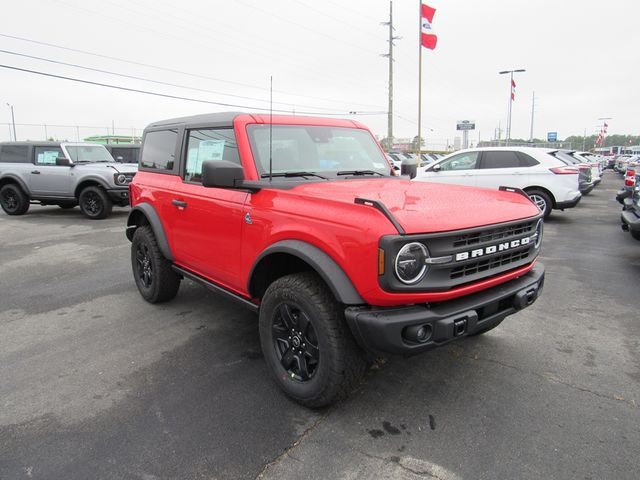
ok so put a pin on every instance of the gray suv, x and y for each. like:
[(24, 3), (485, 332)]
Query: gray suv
[(63, 174)]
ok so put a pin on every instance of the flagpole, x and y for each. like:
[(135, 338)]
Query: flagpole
[(419, 79)]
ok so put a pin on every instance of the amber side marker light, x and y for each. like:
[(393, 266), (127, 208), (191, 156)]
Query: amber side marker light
[(380, 261)]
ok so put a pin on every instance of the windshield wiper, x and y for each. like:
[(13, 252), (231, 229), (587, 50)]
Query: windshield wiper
[(293, 174), (360, 172)]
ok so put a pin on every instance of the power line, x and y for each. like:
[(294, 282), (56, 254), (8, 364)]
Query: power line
[(57, 62), (306, 28), (350, 24), (179, 72), (176, 97)]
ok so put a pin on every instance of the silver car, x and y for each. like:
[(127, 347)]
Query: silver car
[(64, 174)]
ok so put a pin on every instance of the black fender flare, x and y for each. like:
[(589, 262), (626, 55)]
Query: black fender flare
[(332, 274), (90, 179), (18, 180), (147, 210)]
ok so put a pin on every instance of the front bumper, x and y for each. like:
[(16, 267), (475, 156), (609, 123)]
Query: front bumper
[(570, 203), (630, 221), (119, 195), (383, 330)]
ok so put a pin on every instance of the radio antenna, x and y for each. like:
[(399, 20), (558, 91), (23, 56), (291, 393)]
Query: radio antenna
[(271, 128)]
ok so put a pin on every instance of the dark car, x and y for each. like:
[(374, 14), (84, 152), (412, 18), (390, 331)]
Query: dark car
[(124, 152)]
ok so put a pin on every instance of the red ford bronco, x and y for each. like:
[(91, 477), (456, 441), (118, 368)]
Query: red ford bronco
[(304, 221)]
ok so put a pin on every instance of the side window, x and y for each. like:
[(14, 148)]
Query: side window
[(209, 144), (124, 155), (527, 160), (14, 154), (463, 161), (159, 150), (500, 160), (48, 155)]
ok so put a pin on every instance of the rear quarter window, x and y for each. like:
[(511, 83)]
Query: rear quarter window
[(159, 151), (14, 154)]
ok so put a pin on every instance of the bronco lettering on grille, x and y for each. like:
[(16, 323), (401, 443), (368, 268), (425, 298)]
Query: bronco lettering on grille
[(501, 247)]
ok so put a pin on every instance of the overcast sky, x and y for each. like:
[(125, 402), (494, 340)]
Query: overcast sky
[(581, 59)]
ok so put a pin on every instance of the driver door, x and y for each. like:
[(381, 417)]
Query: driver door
[(47, 179)]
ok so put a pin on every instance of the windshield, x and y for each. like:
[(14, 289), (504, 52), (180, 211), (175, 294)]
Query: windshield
[(88, 153), (316, 149)]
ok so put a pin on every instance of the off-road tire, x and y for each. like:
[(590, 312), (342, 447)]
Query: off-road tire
[(13, 200), (152, 272), (95, 203), (340, 362), (538, 197)]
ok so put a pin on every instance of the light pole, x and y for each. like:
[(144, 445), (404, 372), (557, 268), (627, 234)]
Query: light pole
[(510, 72)]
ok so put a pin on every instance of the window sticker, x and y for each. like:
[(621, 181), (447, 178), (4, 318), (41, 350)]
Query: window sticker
[(48, 157), (210, 150)]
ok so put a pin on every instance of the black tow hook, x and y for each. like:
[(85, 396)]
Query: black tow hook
[(459, 327), (526, 297)]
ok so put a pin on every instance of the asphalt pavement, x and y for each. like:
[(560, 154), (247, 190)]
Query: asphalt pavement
[(96, 383)]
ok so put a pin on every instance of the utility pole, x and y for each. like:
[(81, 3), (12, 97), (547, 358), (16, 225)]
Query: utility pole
[(533, 109), (390, 57), (13, 122)]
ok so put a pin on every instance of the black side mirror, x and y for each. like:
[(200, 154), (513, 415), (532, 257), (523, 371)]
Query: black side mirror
[(63, 162), (221, 173), (410, 169)]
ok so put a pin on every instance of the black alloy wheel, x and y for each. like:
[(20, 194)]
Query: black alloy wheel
[(295, 341), (144, 270), (94, 203), (13, 200)]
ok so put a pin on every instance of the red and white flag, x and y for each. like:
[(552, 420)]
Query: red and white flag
[(513, 89), (428, 39)]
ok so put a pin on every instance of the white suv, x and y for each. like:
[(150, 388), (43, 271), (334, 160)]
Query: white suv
[(550, 183)]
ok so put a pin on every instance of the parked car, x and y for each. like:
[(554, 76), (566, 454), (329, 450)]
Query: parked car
[(124, 152), (548, 182), (63, 174), (585, 178), (630, 216), (630, 183), (301, 220), (622, 161), (596, 168)]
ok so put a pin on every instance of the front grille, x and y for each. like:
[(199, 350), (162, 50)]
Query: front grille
[(465, 256), (494, 234), (489, 264)]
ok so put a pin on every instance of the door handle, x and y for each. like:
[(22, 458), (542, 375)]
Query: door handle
[(36, 172), (179, 203)]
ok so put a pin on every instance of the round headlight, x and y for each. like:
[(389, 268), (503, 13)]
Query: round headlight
[(410, 263), (122, 179), (539, 232)]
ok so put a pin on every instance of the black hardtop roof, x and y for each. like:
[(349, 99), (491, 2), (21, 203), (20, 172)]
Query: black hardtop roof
[(218, 119), (122, 145), (43, 143)]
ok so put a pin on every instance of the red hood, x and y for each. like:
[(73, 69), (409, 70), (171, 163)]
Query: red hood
[(422, 207)]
